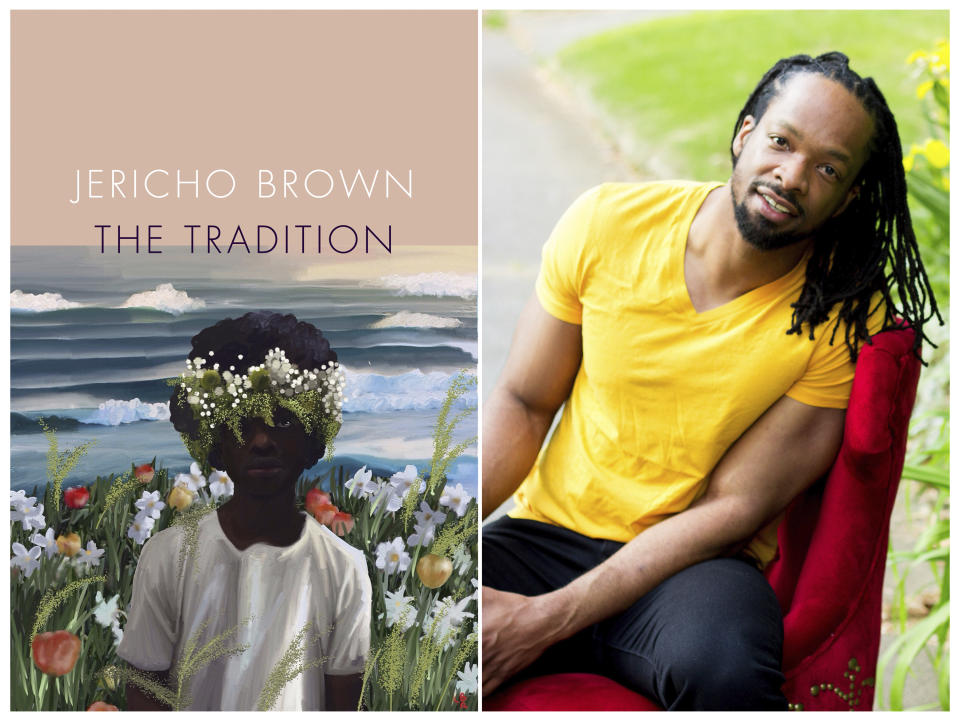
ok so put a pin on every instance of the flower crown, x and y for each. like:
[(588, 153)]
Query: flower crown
[(227, 396)]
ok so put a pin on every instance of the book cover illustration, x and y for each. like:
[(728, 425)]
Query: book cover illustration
[(319, 164)]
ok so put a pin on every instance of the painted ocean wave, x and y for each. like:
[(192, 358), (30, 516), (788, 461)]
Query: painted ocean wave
[(410, 391), (164, 298), (406, 319), (437, 283), (40, 302)]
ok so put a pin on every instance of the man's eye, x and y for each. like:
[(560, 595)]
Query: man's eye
[(830, 172), (283, 422), (779, 141)]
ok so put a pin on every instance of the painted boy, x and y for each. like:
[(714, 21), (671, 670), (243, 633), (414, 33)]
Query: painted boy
[(260, 400)]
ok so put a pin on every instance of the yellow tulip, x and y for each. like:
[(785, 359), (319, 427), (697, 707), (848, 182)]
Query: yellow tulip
[(937, 153), (69, 544), (180, 497)]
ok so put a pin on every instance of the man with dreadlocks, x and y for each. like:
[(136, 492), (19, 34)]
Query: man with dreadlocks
[(703, 338)]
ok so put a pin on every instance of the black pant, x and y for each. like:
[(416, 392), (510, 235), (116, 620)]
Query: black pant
[(709, 637)]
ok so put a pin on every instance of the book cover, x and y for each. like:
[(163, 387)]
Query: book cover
[(174, 169)]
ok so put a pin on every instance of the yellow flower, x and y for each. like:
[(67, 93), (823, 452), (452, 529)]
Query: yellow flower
[(68, 544), (925, 87), (908, 163), (945, 182), (917, 55), (180, 498), (937, 153)]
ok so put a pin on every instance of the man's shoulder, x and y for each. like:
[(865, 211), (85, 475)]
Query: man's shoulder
[(328, 545), (619, 200)]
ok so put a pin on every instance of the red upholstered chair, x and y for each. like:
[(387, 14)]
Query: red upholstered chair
[(828, 573)]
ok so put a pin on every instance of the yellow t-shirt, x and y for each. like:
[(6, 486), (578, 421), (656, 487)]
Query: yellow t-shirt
[(662, 390)]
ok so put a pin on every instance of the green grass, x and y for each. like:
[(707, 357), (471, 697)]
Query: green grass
[(670, 89)]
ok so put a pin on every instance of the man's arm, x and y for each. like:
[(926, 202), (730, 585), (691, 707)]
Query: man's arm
[(785, 450), (543, 361), (342, 691)]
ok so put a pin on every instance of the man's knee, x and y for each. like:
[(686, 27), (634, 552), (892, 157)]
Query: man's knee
[(722, 671)]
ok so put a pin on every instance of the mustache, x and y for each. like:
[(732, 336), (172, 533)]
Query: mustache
[(779, 190)]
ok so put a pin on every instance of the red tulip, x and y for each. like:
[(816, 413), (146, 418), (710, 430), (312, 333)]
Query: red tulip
[(144, 473), (76, 497), (315, 498), (100, 706), (324, 513), (342, 523), (55, 653)]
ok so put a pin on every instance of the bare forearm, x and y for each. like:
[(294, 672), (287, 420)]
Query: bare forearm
[(699, 533), (512, 436)]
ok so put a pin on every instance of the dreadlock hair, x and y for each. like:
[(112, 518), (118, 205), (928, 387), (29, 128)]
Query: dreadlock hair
[(851, 251)]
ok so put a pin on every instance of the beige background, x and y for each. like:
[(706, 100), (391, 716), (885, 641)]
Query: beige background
[(242, 91)]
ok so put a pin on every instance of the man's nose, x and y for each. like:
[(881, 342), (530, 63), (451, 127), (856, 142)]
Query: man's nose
[(792, 174), (257, 434)]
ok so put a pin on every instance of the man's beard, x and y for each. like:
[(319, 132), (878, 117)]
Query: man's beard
[(758, 231)]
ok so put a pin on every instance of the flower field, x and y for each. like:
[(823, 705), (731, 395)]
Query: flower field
[(74, 553)]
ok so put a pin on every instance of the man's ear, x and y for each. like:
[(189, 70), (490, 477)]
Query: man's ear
[(854, 192), (748, 125)]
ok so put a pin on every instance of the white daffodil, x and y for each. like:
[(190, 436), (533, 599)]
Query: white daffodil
[(399, 608), (117, 634), (26, 560), (47, 541), (387, 498), (456, 499), (362, 483), (107, 613), (402, 481), (141, 528), (194, 481), (449, 616), (422, 535), (19, 501), (30, 518), (150, 504), (467, 679), (220, 484), (89, 556), (426, 515), (391, 556), (476, 588), (462, 561)]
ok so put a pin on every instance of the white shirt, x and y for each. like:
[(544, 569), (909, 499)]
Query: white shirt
[(267, 593)]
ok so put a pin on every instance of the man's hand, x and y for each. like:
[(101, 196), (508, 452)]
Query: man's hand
[(516, 630), (785, 450)]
